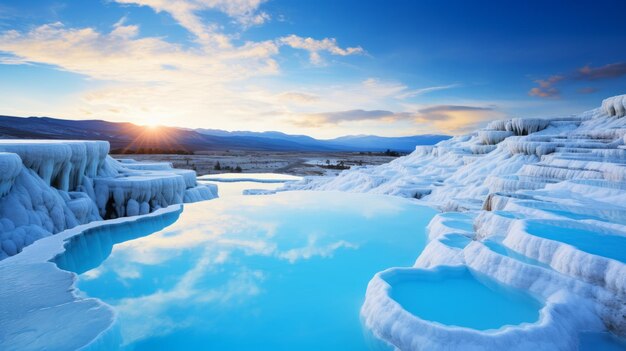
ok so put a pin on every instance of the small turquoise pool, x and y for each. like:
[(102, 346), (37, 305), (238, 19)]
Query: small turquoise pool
[(610, 246), (279, 272), (497, 247), (455, 296)]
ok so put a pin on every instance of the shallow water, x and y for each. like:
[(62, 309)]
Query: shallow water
[(257, 177), (456, 297), (234, 184), (505, 251), (278, 272), (229, 189)]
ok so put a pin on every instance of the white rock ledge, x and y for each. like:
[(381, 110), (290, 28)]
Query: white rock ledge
[(39, 309), (47, 186), (567, 174), (556, 328)]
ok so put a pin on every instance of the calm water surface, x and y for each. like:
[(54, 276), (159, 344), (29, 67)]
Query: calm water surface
[(276, 272)]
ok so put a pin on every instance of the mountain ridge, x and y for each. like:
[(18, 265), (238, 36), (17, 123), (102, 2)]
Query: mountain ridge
[(126, 135)]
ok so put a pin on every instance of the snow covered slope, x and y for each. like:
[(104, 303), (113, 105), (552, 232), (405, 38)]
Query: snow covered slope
[(47, 186), (533, 204)]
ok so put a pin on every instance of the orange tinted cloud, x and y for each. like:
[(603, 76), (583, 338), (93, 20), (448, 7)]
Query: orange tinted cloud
[(546, 87)]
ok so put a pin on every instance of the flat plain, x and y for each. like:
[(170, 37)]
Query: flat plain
[(295, 163)]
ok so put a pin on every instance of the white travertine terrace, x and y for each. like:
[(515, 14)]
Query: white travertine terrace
[(47, 186), (615, 106), (535, 204)]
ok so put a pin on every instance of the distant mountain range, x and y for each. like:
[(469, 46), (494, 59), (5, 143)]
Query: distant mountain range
[(133, 137)]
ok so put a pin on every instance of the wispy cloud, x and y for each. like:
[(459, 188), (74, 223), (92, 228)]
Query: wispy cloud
[(314, 47), (329, 118), (121, 56), (150, 77), (587, 90), (440, 112), (185, 12), (401, 91), (442, 118), (422, 91), (298, 97), (11, 60), (374, 86), (547, 87), (457, 119), (5, 12), (613, 70)]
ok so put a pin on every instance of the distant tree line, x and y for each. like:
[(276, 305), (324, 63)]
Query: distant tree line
[(392, 153), (387, 152), (338, 165), (219, 167), (151, 151)]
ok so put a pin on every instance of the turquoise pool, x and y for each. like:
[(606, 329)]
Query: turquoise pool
[(279, 272), (607, 245), (455, 296)]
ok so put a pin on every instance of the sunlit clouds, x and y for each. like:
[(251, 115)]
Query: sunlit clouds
[(148, 78), (216, 80)]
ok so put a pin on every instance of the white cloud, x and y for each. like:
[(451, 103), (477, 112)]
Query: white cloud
[(422, 91), (120, 56), (146, 78), (143, 78), (441, 118), (122, 30), (399, 90), (336, 117), (383, 88), (185, 12), (457, 119), (298, 97), (315, 47), (213, 82)]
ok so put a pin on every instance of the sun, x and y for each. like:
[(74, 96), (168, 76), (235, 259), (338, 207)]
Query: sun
[(153, 125)]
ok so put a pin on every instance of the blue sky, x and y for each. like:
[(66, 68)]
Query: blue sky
[(323, 68)]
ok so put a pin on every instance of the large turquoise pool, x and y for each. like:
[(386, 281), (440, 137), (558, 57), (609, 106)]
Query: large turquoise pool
[(279, 272)]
